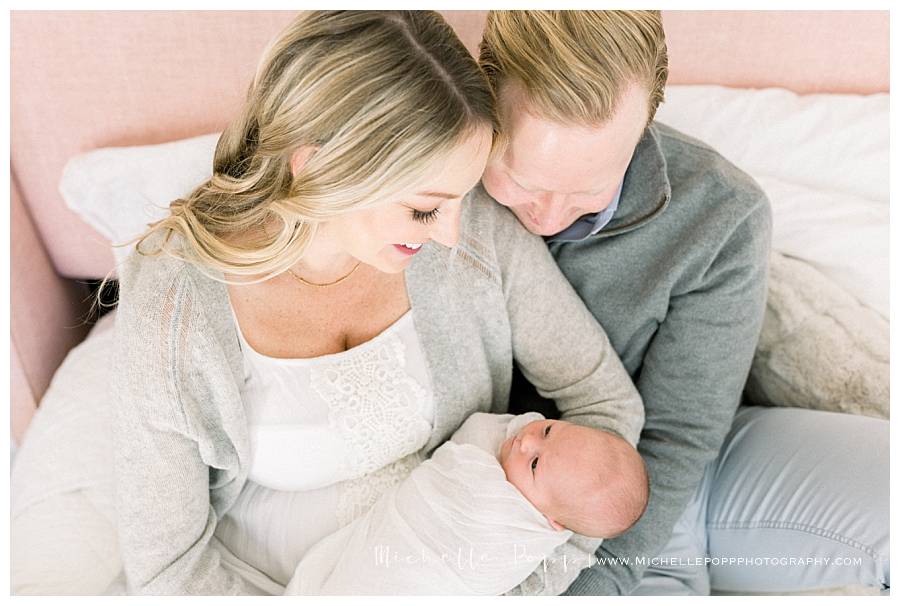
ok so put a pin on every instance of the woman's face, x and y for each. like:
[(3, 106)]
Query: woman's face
[(389, 235)]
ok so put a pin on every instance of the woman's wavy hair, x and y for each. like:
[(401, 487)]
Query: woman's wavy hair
[(378, 93)]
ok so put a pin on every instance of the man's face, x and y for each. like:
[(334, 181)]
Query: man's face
[(551, 174)]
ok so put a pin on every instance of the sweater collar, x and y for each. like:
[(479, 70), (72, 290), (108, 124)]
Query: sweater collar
[(646, 190), (429, 288)]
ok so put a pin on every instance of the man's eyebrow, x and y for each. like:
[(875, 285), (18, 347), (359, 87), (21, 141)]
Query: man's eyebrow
[(524, 185), (438, 194), (519, 181)]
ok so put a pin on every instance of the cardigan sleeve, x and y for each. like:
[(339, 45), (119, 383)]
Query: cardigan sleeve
[(559, 345), (165, 518), (566, 355)]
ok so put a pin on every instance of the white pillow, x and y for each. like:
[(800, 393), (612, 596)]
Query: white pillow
[(839, 143), (823, 160), (119, 190)]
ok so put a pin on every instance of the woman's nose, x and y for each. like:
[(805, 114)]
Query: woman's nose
[(446, 229)]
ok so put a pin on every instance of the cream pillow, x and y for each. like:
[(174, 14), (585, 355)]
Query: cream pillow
[(119, 190), (819, 347)]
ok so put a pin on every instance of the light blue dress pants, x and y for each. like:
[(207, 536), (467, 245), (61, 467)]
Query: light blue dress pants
[(796, 500)]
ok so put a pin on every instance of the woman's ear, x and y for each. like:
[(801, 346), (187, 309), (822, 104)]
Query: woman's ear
[(301, 156)]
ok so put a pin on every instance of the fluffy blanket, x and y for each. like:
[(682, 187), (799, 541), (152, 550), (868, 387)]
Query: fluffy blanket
[(819, 348)]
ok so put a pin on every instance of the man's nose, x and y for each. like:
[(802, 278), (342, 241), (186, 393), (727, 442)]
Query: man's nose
[(551, 213)]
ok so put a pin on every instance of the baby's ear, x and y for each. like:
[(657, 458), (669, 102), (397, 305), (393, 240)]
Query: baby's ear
[(556, 525)]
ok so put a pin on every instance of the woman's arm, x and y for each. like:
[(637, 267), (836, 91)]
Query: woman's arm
[(165, 517), (559, 345), (562, 351)]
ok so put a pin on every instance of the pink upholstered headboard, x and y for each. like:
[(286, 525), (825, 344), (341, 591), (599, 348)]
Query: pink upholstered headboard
[(87, 79)]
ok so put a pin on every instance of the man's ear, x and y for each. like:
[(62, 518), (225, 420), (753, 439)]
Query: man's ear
[(301, 156), (556, 525)]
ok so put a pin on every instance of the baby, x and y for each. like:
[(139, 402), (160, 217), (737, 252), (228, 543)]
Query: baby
[(589, 481), (504, 497)]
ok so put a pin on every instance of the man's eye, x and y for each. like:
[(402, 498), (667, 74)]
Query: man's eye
[(425, 217)]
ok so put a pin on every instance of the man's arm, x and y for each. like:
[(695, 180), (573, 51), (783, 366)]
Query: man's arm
[(691, 381)]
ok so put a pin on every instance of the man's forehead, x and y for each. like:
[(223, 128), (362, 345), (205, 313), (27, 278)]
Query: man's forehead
[(567, 153), (557, 157)]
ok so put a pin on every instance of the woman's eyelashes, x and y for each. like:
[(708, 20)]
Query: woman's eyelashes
[(425, 217)]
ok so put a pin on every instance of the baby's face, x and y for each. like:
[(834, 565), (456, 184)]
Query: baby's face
[(543, 461)]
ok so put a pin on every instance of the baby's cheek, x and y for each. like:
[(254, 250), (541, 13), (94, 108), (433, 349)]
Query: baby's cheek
[(507, 468), (511, 477)]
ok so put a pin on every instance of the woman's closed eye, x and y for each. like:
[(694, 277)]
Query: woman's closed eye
[(425, 217)]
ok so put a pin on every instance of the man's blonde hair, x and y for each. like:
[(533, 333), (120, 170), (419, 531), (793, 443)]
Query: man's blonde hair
[(573, 66)]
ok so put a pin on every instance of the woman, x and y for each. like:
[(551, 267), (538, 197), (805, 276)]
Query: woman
[(330, 287)]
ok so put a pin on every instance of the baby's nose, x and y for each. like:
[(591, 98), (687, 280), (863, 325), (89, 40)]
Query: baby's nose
[(528, 441)]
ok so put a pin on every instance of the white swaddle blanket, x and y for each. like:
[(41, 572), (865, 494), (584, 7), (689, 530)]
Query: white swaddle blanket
[(455, 526)]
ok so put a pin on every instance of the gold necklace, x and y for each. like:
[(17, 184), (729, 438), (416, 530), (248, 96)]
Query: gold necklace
[(338, 281)]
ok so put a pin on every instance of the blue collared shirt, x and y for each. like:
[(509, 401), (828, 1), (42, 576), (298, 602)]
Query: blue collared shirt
[(588, 225)]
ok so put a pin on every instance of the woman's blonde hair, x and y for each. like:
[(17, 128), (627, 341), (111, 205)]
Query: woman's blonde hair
[(377, 93), (574, 65)]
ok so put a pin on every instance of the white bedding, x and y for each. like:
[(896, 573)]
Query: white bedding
[(823, 160)]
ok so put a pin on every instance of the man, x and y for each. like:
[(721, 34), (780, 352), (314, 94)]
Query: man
[(668, 243)]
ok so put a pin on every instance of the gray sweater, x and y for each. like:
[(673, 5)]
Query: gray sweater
[(181, 437), (678, 280)]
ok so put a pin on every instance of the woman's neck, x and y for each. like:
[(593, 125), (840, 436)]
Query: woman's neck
[(324, 260)]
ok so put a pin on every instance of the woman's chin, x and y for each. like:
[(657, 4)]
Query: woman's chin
[(391, 262)]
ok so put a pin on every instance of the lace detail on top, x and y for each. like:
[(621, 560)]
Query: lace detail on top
[(373, 405), (359, 495)]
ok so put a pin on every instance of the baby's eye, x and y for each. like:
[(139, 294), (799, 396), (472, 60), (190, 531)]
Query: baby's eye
[(547, 430), (533, 465)]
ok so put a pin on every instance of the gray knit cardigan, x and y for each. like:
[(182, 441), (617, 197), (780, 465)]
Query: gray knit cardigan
[(181, 438)]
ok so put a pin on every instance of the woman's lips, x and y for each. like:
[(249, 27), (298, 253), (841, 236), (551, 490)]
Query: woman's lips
[(406, 250)]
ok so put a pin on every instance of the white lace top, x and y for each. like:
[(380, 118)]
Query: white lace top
[(328, 435)]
